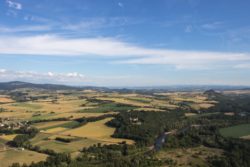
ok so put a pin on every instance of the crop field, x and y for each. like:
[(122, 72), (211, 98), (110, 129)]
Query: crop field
[(84, 136), (59, 106), (11, 156), (97, 131), (242, 131), (125, 101), (74, 115), (72, 147), (8, 137), (5, 99), (47, 125), (108, 108), (70, 106), (55, 130)]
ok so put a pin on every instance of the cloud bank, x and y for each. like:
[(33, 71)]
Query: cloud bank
[(39, 77), (128, 53)]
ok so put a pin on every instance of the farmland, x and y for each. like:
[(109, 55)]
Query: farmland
[(37, 123), (96, 131), (21, 156)]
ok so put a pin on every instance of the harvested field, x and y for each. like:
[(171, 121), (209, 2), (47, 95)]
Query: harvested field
[(11, 156), (97, 131)]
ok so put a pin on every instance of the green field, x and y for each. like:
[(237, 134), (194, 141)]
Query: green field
[(108, 108), (236, 131)]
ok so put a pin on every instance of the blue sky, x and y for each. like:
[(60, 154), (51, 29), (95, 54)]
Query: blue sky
[(125, 43)]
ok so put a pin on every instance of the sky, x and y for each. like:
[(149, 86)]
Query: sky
[(125, 42)]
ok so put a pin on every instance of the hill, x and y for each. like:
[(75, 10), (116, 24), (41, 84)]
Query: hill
[(18, 85)]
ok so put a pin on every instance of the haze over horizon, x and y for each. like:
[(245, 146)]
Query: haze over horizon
[(125, 43)]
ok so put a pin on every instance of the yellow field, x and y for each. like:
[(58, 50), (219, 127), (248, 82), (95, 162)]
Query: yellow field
[(78, 115), (11, 156), (125, 101), (59, 106), (16, 115), (97, 131), (55, 130), (64, 107), (43, 125), (71, 147), (8, 137), (5, 99)]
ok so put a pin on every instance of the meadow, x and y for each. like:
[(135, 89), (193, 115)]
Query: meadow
[(238, 131)]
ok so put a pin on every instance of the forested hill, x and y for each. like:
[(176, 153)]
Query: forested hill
[(17, 85)]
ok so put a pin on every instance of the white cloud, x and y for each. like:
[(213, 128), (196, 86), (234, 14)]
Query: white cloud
[(212, 26), (96, 23), (120, 4), (4, 29), (110, 47), (85, 25), (38, 77), (14, 5)]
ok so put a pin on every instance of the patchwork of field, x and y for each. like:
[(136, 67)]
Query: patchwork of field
[(238, 131), (189, 157), (83, 136), (67, 106), (45, 106), (75, 105), (96, 131), (196, 100)]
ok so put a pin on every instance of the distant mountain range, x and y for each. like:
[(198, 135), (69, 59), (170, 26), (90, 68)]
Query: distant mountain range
[(18, 85)]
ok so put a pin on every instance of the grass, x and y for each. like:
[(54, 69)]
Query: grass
[(68, 147), (55, 124), (42, 117), (28, 105), (70, 125), (236, 131), (11, 156), (55, 130), (47, 125)]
